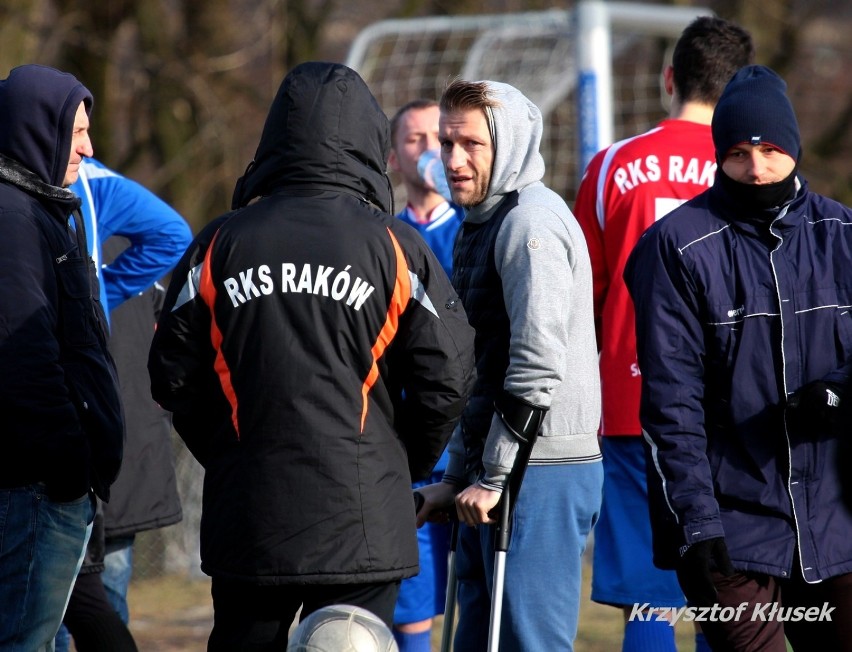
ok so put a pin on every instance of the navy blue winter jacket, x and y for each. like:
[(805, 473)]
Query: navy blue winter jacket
[(734, 314), (62, 419)]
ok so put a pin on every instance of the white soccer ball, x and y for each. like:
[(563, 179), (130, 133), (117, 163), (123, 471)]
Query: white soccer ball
[(342, 628)]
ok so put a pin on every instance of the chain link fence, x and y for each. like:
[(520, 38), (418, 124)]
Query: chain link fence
[(176, 548)]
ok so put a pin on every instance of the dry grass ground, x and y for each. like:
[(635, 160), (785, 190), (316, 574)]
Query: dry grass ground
[(174, 614), (170, 614)]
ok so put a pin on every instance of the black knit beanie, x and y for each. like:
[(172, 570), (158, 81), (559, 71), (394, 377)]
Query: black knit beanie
[(754, 109)]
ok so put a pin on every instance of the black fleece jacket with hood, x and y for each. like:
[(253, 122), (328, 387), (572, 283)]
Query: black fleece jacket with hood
[(62, 418), (312, 351)]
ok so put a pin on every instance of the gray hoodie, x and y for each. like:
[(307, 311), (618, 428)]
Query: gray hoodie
[(541, 257)]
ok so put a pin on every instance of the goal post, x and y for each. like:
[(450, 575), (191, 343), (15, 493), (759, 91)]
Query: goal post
[(594, 70), (596, 20)]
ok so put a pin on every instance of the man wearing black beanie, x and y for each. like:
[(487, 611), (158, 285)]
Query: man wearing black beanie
[(757, 140), (744, 337)]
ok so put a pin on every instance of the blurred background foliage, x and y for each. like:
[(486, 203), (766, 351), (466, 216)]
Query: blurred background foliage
[(182, 86)]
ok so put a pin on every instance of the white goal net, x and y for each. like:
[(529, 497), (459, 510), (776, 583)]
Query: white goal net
[(560, 59)]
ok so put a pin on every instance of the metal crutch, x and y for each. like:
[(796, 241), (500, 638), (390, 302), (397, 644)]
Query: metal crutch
[(502, 536), (450, 603)]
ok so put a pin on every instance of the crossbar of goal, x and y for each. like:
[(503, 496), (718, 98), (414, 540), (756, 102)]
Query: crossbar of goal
[(561, 59)]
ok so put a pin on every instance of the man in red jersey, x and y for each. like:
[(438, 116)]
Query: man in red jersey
[(625, 189)]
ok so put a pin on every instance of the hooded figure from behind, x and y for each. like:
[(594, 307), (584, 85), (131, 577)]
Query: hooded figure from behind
[(336, 139), (315, 358)]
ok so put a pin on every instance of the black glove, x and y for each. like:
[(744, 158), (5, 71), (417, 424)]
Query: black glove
[(697, 563), (817, 405)]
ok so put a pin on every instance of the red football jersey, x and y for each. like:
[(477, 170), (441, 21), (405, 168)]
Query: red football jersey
[(625, 189)]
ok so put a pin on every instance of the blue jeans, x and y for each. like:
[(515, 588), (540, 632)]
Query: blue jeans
[(118, 568), (41, 551), (556, 509)]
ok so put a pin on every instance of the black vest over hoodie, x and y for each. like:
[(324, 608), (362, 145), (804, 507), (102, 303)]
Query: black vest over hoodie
[(480, 288)]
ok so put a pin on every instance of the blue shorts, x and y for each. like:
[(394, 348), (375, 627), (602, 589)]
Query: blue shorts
[(623, 572), (423, 596)]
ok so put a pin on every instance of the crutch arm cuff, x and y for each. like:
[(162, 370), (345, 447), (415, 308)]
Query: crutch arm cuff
[(522, 418)]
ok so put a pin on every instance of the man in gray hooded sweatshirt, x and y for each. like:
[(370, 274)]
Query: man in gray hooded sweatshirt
[(522, 271)]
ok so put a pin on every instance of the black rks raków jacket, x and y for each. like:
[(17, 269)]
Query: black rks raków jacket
[(313, 352)]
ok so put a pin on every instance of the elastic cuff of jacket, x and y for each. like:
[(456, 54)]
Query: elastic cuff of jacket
[(491, 487), (701, 531), (523, 419)]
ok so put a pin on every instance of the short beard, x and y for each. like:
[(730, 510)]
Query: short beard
[(479, 197)]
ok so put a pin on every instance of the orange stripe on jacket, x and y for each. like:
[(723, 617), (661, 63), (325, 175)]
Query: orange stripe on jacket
[(399, 301), (207, 291)]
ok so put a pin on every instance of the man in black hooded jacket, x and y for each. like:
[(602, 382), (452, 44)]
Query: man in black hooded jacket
[(315, 358), (62, 421)]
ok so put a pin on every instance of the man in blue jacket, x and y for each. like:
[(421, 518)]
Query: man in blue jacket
[(112, 205), (744, 335), (62, 419), (134, 238)]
